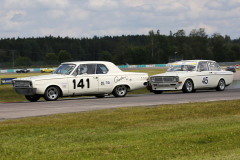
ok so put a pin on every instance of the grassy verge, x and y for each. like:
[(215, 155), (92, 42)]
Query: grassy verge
[(9, 95), (186, 131)]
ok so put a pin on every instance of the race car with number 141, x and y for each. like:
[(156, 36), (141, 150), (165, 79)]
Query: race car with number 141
[(98, 78)]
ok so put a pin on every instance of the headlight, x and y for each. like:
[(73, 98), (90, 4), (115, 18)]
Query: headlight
[(176, 79), (152, 79)]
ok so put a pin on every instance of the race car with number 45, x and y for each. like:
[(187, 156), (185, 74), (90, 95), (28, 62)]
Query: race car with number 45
[(98, 78), (189, 76)]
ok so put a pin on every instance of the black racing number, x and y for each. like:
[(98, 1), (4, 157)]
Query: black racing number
[(88, 84), (81, 83), (205, 80)]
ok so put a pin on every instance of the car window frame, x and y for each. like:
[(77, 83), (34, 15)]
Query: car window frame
[(202, 68)]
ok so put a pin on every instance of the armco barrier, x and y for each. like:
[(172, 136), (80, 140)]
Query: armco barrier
[(123, 66), (36, 69), (120, 66), (10, 70)]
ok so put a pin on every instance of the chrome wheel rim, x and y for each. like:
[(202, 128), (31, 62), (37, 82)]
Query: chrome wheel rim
[(221, 84), (189, 86), (52, 93), (121, 90)]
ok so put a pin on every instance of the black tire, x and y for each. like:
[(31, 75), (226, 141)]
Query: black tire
[(120, 91), (100, 96), (188, 86), (221, 85), (52, 93), (33, 98), (157, 92)]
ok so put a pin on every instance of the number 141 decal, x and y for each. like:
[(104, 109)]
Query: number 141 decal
[(81, 83)]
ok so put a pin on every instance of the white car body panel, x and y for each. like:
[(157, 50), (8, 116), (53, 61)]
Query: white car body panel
[(84, 84), (201, 79)]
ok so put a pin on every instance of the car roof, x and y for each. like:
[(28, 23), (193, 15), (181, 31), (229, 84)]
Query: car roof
[(114, 68), (195, 61), (86, 62)]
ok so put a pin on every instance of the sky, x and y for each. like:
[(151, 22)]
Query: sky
[(88, 18)]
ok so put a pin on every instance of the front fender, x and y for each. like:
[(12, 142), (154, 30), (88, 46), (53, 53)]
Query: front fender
[(41, 87)]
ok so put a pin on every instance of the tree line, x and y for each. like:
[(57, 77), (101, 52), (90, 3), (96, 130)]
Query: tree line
[(153, 48)]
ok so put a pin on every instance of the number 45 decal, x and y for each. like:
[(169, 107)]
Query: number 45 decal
[(80, 83)]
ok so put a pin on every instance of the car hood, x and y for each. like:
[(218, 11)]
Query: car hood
[(174, 73), (43, 77)]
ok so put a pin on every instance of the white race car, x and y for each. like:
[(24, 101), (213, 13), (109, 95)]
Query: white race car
[(191, 75), (96, 78)]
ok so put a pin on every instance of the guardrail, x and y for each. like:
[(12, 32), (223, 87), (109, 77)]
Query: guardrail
[(120, 66)]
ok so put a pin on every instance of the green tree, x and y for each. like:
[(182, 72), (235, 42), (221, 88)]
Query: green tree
[(64, 55), (198, 42), (218, 47), (235, 50), (180, 44), (4, 55), (105, 56), (23, 62), (51, 58)]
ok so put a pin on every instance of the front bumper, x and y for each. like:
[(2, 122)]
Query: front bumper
[(26, 91), (166, 86)]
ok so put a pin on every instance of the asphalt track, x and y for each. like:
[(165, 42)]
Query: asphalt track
[(42, 108)]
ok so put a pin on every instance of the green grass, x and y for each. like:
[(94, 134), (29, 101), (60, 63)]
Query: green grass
[(186, 131), (9, 95), (20, 75)]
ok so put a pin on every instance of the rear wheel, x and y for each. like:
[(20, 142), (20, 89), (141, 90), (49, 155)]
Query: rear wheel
[(33, 98), (52, 93), (188, 86), (221, 85), (120, 91)]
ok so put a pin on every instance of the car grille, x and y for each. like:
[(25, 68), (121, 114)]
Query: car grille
[(22, 84), (164, 79)]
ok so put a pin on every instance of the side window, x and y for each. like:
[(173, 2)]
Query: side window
[(91, 68), (203, 66), (217, 66), (85, 69), (101, 69), (214, 66)]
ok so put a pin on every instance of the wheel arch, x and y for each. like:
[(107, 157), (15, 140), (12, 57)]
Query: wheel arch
[(128, 86), (218, 87), (221, 78), (190, 80), (54, 85)]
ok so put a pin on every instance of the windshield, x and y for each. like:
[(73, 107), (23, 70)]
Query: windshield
[(64, 69), (182, 67)]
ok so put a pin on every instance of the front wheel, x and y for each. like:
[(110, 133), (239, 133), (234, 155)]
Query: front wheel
[(188, 86), (120, 91), (33, 98), (221, 85), (52, 93)]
